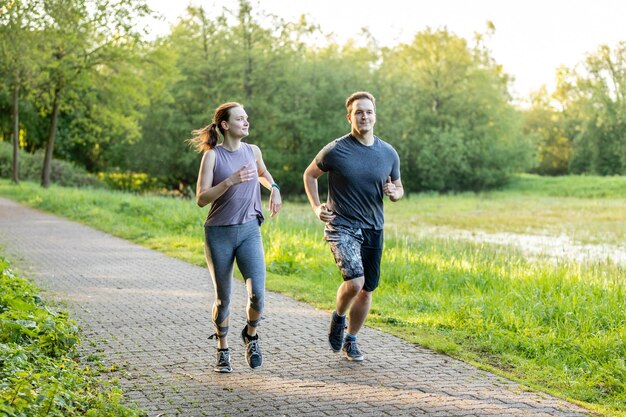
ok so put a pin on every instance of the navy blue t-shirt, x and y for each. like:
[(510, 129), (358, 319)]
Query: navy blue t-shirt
[(356, 175)]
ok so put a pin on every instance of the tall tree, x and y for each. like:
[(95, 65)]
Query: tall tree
[(190, 71), (592, 98), (17, 37), (604, 137), (451, 114), (83, 36)]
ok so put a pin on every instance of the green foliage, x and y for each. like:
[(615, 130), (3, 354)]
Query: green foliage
[(601, 140), (128, 181), (39, 372), (294, 93), (83, 52), (62, 172), (121, 103), (580, 127), (544, 123), (446, 109)]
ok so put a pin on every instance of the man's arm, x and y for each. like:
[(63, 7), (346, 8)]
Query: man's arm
[(311, 174), (393, 189)]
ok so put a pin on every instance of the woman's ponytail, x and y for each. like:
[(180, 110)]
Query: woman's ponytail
[(206, 138)]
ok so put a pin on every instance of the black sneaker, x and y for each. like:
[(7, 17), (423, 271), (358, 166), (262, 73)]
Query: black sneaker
[(223, 362), (335, 333), (352, 351), (254, 357)]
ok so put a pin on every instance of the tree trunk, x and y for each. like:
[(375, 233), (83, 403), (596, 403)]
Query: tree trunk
[(16, 133), (52, 132), (245, 19), (247, 76)]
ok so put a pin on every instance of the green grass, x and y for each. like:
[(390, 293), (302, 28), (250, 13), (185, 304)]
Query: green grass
[(586, 209), (587, 186), (559, 327)]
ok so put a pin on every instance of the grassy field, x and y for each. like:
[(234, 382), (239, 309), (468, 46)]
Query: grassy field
[(586, 209), (559, 327)]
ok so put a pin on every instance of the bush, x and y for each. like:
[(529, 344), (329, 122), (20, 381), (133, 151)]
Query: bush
[(39, 375), (136, 182), (30, 166)]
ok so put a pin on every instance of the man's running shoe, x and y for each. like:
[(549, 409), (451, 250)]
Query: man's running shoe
[(352, 351), (335, 332)]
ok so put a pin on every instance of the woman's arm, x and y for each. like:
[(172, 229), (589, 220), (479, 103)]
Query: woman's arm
[(266, 180), (206, 193)]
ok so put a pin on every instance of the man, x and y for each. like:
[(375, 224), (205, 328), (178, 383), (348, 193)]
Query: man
[(362, 169)]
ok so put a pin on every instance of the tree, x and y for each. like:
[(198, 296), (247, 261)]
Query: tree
[(83, 36), (451, 114), (188, 72), (593, 111), (17, 37), (603, 138), (544, 123)]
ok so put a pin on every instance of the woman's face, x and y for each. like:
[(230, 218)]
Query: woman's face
[(237, 125)]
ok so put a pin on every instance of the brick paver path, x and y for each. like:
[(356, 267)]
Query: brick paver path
[(149, 314)]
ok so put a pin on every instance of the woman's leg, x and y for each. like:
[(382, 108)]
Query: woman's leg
[(220, 254), (251, 262)]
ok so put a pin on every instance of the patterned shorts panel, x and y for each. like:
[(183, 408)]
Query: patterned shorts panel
[(345, 244), (357, 253)]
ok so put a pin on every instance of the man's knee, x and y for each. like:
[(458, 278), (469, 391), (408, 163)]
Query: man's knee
[(365, 295), (354, 285)]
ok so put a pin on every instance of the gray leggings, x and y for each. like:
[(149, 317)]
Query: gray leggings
[(225, 245)]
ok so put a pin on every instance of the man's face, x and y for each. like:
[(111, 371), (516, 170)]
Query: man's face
[(362, 117)]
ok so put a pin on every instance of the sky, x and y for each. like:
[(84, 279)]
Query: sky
[(532, 38)]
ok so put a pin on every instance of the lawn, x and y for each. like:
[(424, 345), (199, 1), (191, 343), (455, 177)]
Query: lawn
[(554, 326)]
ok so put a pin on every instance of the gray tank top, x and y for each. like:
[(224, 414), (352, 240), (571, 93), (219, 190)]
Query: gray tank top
[(241, 203)]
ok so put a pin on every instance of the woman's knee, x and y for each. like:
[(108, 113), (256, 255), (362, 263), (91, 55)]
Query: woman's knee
[(221, 311), (257, 302)]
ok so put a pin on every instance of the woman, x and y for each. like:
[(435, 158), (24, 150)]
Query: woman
[(227, 180)]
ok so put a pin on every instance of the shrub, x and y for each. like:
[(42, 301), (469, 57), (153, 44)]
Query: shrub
[(39, 374), (30, 167), (136, 182)]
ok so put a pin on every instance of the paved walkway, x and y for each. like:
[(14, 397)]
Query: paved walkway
[(149, 314)]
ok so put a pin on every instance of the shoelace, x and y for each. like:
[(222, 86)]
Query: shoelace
[(223, 358), (253, 346), (353, 348)]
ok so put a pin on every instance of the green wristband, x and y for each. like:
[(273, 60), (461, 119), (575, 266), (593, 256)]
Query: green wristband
[(276, 185)]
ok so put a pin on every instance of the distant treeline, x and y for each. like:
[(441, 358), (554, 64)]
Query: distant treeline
[(81, 82)]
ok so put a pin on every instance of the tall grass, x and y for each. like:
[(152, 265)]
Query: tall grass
[(560, 327)]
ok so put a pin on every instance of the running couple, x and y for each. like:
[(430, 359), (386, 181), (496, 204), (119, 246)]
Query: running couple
[(361, 168)]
